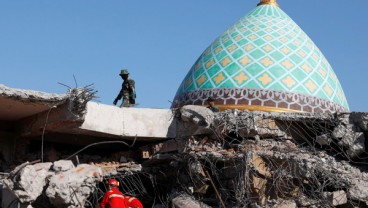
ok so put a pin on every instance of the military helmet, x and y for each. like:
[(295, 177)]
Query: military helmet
[(124, 71)]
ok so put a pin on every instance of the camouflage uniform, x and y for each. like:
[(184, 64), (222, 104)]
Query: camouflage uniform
[(127, 91), (212, 108)]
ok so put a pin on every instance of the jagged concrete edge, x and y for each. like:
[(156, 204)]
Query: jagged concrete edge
[(31, 95)]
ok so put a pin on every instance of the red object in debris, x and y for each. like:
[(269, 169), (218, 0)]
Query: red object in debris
[(113, 199), (132, 202)]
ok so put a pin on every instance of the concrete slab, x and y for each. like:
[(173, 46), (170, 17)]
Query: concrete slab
[(129, 122), (16, 104)]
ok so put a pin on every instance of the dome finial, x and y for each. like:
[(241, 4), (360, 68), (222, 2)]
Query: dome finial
[(269, 2)]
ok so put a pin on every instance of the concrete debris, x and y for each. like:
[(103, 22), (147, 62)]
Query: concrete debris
[(347, 129), (29, 182), (358, 190), (185, 201), (336, 198), (352, 131), (201, 116), (31, 95), (247, 124), (43, 166), (305, 201), (62, 165), (113, 168), (286, 204), (73, 187), (226, 159), (194, 120), (62, 187)]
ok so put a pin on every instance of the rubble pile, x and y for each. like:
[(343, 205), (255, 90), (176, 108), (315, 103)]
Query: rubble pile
[(60, 184), (227, 159), (257, 159)]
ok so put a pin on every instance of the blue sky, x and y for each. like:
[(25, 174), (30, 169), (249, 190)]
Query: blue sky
[(43, 42)]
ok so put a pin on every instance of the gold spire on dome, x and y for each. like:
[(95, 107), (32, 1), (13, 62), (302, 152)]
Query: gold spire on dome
[(269, 2)]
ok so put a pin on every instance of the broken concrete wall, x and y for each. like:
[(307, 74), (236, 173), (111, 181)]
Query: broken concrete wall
[(129, 122)]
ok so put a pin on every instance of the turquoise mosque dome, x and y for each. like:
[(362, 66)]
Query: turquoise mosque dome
[(266, 62)]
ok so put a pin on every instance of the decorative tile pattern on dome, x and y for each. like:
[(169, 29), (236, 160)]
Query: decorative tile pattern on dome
[(266, 98), (265, 50)]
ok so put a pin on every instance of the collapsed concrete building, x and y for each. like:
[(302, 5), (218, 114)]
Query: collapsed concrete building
[(284, 138), (193, 158)]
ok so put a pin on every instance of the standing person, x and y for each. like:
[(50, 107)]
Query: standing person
[(211, 105), (127, 91), (113, 198)]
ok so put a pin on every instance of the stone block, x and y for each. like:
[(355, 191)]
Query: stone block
[(29, 184), (336, 198), (42, 166), (62, 165), (194, 120)]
